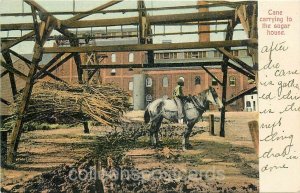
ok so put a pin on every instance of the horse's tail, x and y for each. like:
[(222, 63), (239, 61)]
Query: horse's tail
[(146, 116)]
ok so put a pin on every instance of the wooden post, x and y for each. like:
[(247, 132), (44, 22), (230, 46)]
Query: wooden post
[(86, 127), (224, 89), (253, 127), (229, 35), (211, 124), (3, 147), (8, 60), (42, 33)]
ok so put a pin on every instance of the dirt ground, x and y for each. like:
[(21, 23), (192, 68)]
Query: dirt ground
[(233, 156)]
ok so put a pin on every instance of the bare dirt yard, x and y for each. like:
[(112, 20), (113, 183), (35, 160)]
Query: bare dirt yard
[(214, 164)]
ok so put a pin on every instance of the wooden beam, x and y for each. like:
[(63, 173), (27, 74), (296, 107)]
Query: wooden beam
[(90, 75), (36, 26), (41, 70), (211, 4), (147, 47), (95, 10), (16, 132), (251, 90), (241, 14), (236, 59), (13, 70), (241, 70), (7, 45), (154, 20), (155, 65), (56, 66), (17, 26), (4, 73), (12, 80), (213, 76), (229, 35), (4, 101), (50, 63)]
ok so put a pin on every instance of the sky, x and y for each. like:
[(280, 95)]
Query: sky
[(9, 6)]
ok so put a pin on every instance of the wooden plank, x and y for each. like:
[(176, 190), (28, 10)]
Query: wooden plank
[(254, 131), (213, 76), (149, 47), (236, 59), (17, 26)]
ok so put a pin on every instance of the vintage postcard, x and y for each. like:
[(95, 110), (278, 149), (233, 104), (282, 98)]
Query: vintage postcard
[(150, 96)]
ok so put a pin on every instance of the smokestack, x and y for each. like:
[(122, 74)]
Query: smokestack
[(203, 37)]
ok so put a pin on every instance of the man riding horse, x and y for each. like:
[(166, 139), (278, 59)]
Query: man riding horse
[(178, 97)]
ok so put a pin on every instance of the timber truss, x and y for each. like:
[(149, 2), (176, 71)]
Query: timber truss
[(45, 22)]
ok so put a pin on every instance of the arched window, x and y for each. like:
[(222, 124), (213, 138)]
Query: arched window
[(130, 57), (165, 81), (130, 85), (148, 82), (113, 57), (197, 80)]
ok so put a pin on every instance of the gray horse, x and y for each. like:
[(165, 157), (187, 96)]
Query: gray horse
[(194, 107)]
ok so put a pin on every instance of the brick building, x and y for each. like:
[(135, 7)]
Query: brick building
[(161, 81)]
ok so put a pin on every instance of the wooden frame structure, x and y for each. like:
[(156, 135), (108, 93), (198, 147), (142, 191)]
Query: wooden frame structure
[(45, 22)]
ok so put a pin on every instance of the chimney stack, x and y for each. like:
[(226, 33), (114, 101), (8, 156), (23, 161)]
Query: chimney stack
[(203, 37)]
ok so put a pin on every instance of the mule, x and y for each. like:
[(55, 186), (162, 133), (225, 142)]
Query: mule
[(194, 107)]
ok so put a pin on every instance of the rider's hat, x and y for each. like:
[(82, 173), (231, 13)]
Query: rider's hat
[(180, 81)]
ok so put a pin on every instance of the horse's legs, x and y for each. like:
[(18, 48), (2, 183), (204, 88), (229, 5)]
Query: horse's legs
[(186, 135), (151, 130), (154, 128), (157, 130)]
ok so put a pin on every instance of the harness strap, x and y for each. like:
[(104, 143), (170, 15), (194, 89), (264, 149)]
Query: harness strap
[(197, 105)]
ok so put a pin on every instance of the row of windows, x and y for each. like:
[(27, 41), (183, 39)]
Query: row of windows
[(232, 81), (130, 57), (197, 81), (196, 54), (165, 82)]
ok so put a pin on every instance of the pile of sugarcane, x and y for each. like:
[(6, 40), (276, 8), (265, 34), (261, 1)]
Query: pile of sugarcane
[(63, 103)]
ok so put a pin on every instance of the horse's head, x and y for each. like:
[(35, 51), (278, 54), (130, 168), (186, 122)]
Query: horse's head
[(212, 97)]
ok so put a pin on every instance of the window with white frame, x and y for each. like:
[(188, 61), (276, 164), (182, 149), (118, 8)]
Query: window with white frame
[(113, 57), (232, 81), (130, 85), (165, 81), (130, 57), (148, 82)]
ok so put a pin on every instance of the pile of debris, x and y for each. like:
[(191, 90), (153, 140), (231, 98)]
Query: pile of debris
[(57, 102)]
